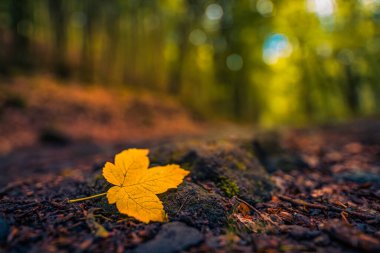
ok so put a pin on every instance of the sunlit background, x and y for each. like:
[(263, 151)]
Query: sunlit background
[(270, 62)]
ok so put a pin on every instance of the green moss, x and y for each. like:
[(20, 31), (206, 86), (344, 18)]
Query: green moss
[(228, 186), (241, 166)]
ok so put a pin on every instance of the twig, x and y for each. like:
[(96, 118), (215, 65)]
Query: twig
[(102, 216), (264, 217), (344, 217), (183, 203), (28, 212), (354, 213), (327, 208), (303, 203)]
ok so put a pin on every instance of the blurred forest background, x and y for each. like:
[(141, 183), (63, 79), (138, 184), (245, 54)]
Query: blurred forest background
[(264, 61)]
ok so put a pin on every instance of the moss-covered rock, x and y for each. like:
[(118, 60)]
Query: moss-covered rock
[(195, 206), (228, 164)]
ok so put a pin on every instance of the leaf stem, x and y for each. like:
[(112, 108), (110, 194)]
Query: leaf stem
[(86, 198)]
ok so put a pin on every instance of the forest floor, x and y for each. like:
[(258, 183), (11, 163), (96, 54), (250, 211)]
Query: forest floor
[(314, 189)]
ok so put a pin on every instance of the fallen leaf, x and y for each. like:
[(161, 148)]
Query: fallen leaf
[(96, 227), (136, 186), (243, 209)]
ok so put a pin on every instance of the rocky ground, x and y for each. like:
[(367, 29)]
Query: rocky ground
[(300, 190)]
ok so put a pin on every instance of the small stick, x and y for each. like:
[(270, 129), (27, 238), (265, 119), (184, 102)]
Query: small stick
[(264, 217), (303, 203), (102, 216), (328, 208), (354, 213), (344, 217), (183, 203)]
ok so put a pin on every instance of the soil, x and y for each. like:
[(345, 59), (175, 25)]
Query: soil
[(314, 189), (296, 190)]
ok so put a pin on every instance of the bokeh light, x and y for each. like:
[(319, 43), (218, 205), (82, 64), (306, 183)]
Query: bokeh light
[(214, 12), (197, 37), (234, 62), (275, 47), (265, 7), (323, 8)]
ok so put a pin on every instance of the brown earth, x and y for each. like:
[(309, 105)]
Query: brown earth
[(299, 190)]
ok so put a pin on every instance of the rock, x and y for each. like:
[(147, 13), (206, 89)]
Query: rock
[(173, 237), (195, 206), (230, 164), (236, 171), (220, 170)]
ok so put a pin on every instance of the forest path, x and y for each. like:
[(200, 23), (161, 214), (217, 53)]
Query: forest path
[(314, 189)]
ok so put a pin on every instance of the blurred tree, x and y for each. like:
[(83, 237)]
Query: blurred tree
[(58, 17), (194, 11), (266, 61), (91, 11), (112, 12), (20, 24)]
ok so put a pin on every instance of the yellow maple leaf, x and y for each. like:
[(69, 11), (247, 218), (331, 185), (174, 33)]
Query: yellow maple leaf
[(136, 186)]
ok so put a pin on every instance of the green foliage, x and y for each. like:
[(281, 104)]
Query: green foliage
[(221, 58)]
